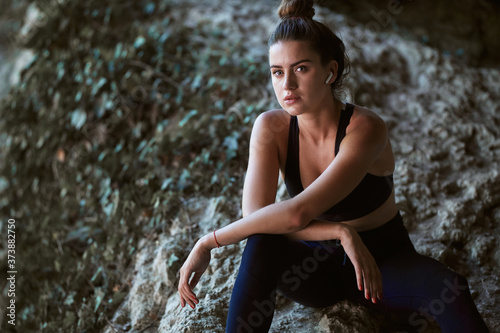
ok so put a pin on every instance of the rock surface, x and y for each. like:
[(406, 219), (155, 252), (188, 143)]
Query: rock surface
[(444, 121)]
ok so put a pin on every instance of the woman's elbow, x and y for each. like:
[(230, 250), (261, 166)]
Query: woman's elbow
[(298, 218)]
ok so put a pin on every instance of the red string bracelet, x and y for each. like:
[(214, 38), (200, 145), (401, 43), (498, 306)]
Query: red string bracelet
[(216, 242)]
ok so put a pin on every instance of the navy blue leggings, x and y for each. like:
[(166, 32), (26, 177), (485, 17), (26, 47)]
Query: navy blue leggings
[(319, 274)]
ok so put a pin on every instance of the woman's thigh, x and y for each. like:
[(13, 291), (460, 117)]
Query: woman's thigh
[(417, 288)]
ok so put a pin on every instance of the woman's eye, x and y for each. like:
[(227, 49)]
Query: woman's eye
[(301, 69), (277, 72)]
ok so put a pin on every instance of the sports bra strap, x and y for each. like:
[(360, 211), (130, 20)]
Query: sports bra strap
[(345, 118)]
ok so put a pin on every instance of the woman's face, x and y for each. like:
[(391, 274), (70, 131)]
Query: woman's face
[(298, 77)]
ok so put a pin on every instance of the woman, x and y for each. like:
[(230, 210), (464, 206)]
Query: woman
[(340, 236)]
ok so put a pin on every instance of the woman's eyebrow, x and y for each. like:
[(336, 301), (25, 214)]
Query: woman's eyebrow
[(292, 65)]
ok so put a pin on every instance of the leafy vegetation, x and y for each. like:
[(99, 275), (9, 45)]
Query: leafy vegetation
[(122, 114)]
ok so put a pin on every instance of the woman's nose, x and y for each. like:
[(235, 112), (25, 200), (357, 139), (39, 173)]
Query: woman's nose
[(290, 82)]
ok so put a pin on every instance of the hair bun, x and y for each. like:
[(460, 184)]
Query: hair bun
[(296, 8)]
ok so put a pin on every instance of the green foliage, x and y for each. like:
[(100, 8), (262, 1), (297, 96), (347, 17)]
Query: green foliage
[(121, 115)]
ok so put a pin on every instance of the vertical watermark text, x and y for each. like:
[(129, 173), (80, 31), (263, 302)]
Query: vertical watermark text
[(11, 271)]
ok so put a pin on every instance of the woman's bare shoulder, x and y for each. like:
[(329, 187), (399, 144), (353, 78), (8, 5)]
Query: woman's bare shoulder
[(369, 129), (270, 134), (272, 122), (274, 116), (366, 118)]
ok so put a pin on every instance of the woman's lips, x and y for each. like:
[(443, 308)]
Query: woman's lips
[(291, 100)]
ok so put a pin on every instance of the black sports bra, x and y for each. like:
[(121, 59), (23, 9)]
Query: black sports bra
[(370, 194)]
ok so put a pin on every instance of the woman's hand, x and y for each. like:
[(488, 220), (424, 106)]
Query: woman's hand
[(367, 271), (191, 272)]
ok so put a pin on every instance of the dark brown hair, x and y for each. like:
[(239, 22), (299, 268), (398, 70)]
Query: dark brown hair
[(297, 24)]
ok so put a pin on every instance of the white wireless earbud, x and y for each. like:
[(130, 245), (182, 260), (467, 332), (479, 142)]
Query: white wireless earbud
[(329, 77)]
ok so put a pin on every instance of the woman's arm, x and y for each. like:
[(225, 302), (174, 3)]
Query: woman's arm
[(261, 179), (261, 182)]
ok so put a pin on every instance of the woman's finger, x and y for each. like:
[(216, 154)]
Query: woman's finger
[(183, 304), (376, 284), (359, 276), (371, 277), (374, 291), (368, 283), (371, 281), (379, 282), (373, 288)]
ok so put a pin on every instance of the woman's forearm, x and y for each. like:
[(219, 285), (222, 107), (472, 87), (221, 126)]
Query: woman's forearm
[(319, 230), (277, 218)]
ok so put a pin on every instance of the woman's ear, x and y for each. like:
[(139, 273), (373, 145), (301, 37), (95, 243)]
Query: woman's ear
[(334, 68)]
